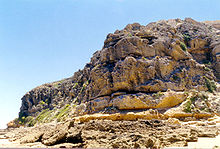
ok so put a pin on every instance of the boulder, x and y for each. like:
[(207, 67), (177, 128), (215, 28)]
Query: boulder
[(55, 134)]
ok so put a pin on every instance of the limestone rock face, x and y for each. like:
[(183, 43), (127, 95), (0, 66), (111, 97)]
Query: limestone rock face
[(141, 101), (135, 63)]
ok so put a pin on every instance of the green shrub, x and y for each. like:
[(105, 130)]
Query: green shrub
[(207, 69), (129, 35), (144, 58), (29, 121), (45, 116), (85, 84), (175, 77), (76, 84), (59, 116), (206, 61), (183, 46), (189, 103), (186, 37), (210, 84), (21, 120), (42, 102), (47, 101), (187, 107), (57, 84), (42, 115), (158, 94), (193, 99), (41, 118)]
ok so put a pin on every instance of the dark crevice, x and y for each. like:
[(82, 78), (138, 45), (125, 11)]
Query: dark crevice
[(63, 140), (134, 55), (110, 67), (76, 139), (40, 138), (110, 77), (126, 92), (209, 56), (149, 38), (187, 38)]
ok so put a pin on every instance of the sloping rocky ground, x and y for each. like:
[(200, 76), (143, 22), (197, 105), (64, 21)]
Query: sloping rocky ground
[(164, 70)]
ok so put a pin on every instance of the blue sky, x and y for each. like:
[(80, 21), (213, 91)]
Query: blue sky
[(47, 40)]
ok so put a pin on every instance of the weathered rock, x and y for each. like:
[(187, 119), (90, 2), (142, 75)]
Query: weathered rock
[(98, 104), (137, 133), (35, 134), (55, 135)]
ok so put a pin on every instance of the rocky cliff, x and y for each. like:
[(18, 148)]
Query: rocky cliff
[(158, 66)]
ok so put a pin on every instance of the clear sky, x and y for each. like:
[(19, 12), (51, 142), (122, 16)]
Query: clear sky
[(46, 40)]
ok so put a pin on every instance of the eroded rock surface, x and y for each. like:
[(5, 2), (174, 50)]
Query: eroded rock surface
[(116, 134)]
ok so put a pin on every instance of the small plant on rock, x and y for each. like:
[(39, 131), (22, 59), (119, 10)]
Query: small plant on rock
[(210, 84), (75, 85), (186, 37), (183, 46), (175, 77), (144, 58), (129, 35), (187, 107), (158, 94), (207, 69), (42, 102), (191, 104)]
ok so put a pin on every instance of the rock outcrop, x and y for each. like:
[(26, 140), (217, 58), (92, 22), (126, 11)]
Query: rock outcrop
[(138, 68), (215, 24)]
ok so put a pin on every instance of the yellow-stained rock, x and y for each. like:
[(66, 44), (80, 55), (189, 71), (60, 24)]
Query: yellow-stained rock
[(179, 113), (119, 116), (178, 53), (144, 101), (174, 121), (171, 99), (127, 102), (172, 118), (99, 103), (197, 43)]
